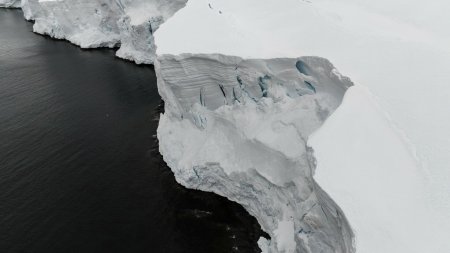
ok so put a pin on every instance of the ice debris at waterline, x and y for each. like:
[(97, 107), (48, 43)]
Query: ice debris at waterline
[(239, 128)]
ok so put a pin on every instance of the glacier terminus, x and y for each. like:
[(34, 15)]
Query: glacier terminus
[(327, 120)]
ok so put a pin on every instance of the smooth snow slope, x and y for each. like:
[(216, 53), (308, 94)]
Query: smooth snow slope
[(399, 49), (366, 167)]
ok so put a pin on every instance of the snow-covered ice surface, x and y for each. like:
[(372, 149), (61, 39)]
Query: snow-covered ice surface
[(390, 177), (129, 24), (9, 3)]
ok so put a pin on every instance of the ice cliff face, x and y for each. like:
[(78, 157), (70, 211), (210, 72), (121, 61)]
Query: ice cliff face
[(9, 3), (240, 128), (129, 24)]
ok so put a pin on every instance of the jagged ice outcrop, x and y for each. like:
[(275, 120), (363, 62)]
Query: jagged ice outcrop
[(128, 24), (239, 128)]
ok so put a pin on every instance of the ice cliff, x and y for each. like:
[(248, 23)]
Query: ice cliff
[(9, 3), (128, 24), (240, 128)]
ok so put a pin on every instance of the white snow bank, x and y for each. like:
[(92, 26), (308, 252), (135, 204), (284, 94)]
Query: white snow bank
[(366, 167)]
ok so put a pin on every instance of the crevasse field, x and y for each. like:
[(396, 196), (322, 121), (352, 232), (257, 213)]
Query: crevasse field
[(326, 119)]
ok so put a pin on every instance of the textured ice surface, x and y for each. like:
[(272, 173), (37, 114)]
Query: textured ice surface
[(9, 3), (239, 128), (88, 24), (129, 24)]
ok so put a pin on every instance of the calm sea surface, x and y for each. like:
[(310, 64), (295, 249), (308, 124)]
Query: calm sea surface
[(79, 164)]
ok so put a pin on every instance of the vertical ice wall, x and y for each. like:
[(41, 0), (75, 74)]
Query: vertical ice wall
[(128, 24)]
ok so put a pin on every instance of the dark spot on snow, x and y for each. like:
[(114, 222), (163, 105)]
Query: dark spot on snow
[(302, 67), (235, 95), (239, 80), (202, 96), (263, 85), (222, 89), (310, 86), (306, 232), (150, 29)]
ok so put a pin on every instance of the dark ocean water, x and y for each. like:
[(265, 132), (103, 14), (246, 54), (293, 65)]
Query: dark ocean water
[(79, 164)]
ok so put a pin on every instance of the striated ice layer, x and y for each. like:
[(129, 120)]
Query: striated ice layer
[(129, 24), (239, 128), (9, 3)]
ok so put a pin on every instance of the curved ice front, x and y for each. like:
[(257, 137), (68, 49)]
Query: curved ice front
[(239, 128)]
